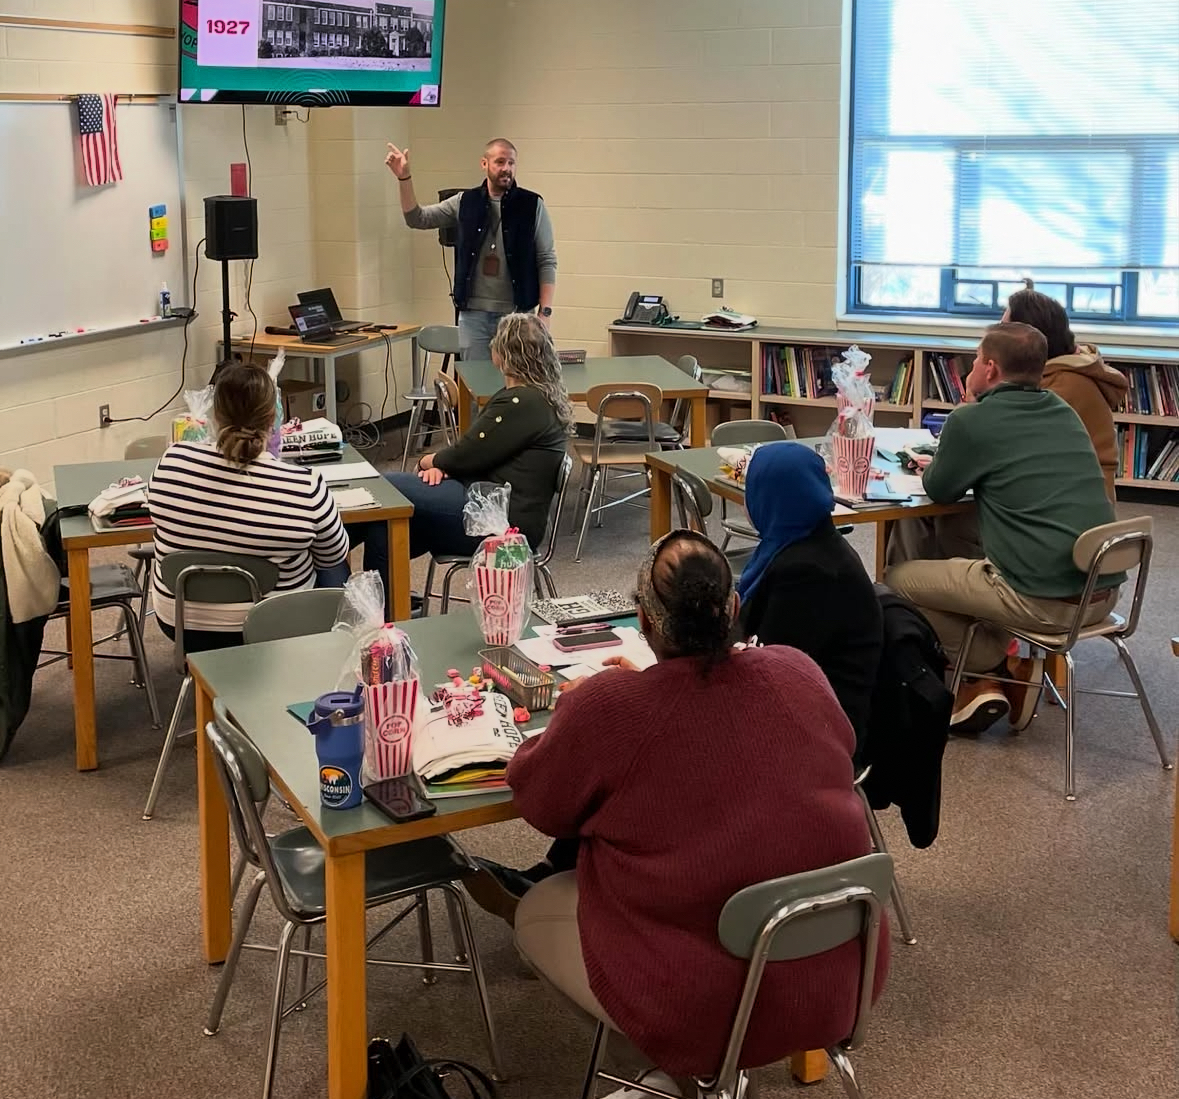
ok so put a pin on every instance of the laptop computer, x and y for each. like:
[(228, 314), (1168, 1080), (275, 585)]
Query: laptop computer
[(327, 299), (313, 326)]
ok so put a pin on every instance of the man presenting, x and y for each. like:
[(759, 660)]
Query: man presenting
[(1038, 486), (505, 260)]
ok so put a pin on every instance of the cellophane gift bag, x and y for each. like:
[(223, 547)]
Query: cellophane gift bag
[(851, 439), (500, 578), (383, 661)]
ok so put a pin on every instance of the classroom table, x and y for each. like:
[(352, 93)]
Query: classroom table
[(256, 684), (323, 356), (705, 463), (480, 381), (79, 484)]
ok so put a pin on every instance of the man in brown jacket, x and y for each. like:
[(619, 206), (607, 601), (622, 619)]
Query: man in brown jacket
[(1076, 374)]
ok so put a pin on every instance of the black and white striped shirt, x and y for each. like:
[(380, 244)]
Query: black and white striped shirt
[(200, 501)]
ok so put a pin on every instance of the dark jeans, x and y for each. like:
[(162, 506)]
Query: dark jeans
[(562, 855), (436, 527)]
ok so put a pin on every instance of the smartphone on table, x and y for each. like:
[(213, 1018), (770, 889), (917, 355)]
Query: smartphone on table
[(596, 639), (402, 798)]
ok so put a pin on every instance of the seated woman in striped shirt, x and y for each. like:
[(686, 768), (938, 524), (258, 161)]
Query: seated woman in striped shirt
[(232, 496)]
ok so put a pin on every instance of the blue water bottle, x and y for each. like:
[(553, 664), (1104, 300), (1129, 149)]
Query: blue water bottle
[(337, 721)]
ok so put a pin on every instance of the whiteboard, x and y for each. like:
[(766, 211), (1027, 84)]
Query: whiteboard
[(76, 256)]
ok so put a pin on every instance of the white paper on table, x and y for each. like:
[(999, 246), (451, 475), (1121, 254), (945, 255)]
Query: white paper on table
[(348, 471), (353, 499), (895, 438), (541, 650), (909, 483)]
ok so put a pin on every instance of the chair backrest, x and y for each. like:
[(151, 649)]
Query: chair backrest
[(206, 576), (149, 446), (447, 393), (544, 552), (693, 500), (636, 401), (1112, 548), (292, 614), (439, 339), (798, 917), (735, 432), (242, 772)]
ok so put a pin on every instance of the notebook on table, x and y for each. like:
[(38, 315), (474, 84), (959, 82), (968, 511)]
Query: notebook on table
[(591, 607)]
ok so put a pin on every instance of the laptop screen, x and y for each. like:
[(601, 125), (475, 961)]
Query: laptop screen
[(310, 319), (324, 298)]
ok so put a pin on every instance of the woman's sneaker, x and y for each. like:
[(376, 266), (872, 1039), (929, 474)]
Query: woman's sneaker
[(977, 706)]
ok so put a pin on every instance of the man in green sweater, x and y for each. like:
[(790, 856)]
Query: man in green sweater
[(1038, 486)]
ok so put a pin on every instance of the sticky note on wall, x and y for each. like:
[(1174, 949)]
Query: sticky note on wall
[(158, 228), (157, 211), (159, 223), (159, 246)]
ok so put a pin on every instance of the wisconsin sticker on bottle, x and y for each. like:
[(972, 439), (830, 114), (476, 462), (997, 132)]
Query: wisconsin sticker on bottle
[(337, 788)]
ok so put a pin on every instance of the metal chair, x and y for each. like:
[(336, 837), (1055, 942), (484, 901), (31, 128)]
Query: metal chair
[(447, 402), (638, 402), (203, 576), (670, 434), (908, 936), (693, 502), (434, 339), (149, 446), (1102, 551), (734, 433), (292, 614), (784, 920), (111, 586), (291, 866), (542, 576)]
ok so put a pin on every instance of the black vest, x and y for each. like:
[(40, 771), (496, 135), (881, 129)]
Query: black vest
[(518, 211)]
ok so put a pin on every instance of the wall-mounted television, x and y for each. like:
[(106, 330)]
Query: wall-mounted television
[(312, 53)]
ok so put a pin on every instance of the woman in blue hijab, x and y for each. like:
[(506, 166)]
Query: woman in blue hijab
[(805, 586)]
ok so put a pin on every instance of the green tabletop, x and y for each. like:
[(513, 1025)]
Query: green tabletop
[(258, 682), (79, 484), (484, 379)]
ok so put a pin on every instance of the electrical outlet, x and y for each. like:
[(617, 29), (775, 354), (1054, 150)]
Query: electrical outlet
[(104, 415), (280, 115), (318, 402), (718, 288)]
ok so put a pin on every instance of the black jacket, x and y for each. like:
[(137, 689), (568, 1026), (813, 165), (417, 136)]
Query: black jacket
[(816, 596), (519, 441)]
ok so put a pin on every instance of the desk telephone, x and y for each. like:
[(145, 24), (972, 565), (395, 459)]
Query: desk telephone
[(645, 309)]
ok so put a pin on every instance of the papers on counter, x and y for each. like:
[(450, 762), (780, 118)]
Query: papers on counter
[(894, 438), (348, 471)]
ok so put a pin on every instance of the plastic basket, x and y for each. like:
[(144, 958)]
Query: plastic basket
[(521, 680)]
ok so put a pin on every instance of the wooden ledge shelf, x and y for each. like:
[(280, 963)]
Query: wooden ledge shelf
[(140, 30)]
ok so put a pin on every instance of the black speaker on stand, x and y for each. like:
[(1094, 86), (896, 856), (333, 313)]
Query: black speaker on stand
[(231, 233)]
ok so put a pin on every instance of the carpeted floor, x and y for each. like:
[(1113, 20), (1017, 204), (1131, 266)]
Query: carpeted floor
[(1043, 967)]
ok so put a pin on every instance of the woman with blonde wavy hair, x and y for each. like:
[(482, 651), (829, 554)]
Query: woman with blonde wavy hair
[(519, 439)]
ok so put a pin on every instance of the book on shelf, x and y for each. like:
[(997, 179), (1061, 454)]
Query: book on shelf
[(901, 390), (945, 378), (1148, 454), (1154, 390), (788, 371)]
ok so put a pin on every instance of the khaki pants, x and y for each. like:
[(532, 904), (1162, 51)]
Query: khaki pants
[(934, 538), (952, 594), (548, 940)]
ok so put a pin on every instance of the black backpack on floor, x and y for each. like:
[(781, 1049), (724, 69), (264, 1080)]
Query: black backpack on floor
[(910, 720)]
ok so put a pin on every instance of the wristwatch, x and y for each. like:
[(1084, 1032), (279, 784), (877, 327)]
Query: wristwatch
[(545, 310)]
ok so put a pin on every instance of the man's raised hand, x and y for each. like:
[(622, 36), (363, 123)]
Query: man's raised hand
[(397, 161)]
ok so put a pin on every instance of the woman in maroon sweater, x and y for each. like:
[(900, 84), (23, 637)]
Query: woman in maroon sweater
[(708, 772)]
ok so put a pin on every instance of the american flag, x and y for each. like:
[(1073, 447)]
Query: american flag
[(100, 142)]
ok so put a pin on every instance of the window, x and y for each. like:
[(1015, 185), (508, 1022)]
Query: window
[(990, 142), (270, 11)]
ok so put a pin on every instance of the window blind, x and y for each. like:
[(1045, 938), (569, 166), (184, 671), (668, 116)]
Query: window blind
[(1016, 134)]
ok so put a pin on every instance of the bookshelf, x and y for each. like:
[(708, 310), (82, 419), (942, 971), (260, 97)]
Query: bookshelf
[(1147, 427)]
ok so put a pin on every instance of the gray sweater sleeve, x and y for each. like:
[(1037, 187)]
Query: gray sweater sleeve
[(546, 249), (441, 215)]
